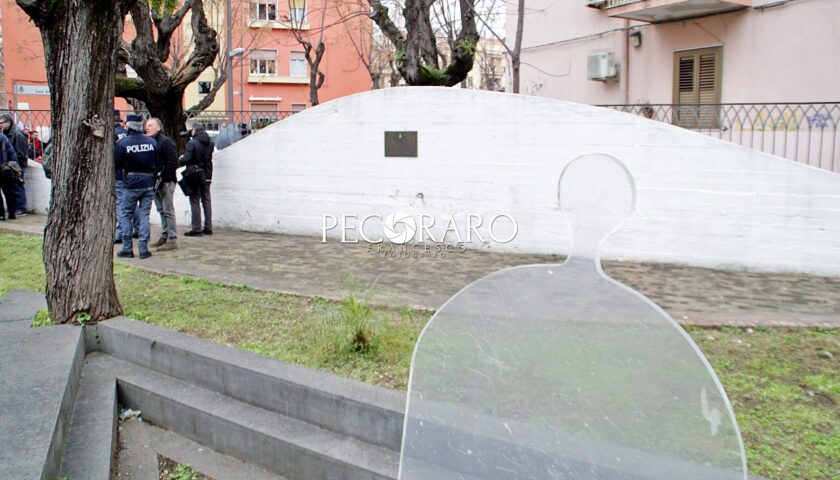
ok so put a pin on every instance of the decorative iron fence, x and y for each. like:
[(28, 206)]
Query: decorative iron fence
[(802, 132), (247, 121), (214, 121)]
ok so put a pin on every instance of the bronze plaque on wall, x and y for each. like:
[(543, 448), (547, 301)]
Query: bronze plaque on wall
[(401, 144)]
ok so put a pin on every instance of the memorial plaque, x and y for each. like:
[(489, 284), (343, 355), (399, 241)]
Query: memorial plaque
[(401, 144), (558, 372)]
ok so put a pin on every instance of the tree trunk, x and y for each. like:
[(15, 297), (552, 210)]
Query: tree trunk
[(416, 49), (80, 43), (170, 110), (165, 81), (375, 80), (515, 66), (516, 55), (316, 77)]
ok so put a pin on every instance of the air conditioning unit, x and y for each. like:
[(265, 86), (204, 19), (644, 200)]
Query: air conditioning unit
[(596, 3), (601, 66)]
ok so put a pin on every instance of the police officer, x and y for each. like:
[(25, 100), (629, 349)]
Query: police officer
[(119, 133), (137, 157)]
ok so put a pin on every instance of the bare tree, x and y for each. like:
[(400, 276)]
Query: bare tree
[(216, 11), (311, 38), (313, 48), (80, 44), (361, 35), (490, 65), (488, 17), (417, 53), (162, 82)]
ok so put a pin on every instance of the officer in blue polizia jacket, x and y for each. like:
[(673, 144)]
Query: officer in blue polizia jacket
[(137, 157)]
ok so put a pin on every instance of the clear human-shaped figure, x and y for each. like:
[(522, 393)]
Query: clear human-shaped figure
[(551, 372)]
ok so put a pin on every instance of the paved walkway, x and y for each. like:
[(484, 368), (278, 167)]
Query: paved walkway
[(305, 266)]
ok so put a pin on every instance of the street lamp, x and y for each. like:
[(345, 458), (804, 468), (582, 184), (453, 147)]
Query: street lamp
[(236, 52)]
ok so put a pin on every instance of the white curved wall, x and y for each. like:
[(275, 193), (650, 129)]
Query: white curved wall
[(700, 201)]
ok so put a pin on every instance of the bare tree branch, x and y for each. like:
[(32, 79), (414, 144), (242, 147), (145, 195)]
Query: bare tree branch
[(166, 26), (205, 49)]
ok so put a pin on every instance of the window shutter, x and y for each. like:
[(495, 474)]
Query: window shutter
[(263, 54), (697, 75)]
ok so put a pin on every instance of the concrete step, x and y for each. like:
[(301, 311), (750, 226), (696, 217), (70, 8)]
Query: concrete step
[(281, 444), (39, 378), (142, 442), (92, 439), (362, 411)]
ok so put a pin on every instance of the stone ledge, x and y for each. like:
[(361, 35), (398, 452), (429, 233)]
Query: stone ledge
[(366, 412)]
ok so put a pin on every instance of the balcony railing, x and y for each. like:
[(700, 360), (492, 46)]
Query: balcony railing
[(620, 3), (802, 132)]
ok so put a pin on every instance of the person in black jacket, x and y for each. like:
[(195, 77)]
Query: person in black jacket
[(21, 145), (8, 178), (199, 155), (165, 192), (137, 157)]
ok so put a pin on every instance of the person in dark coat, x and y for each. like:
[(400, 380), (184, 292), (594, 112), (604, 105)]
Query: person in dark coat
[(199, 153), (165, 193), (8, 181), (119, 133), (137, 157), (21, 145)]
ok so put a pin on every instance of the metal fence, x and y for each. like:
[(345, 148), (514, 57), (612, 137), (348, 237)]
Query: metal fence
[(213, 121), (802, 132)]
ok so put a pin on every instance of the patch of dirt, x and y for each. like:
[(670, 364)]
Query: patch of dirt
[(172, 470)]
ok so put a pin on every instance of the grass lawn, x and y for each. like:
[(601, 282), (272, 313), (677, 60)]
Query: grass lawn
[(784, 384)]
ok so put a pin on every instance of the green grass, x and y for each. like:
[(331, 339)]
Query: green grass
[(784, 387)]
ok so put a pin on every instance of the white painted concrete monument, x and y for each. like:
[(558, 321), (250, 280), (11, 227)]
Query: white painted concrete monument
[(481, 156)]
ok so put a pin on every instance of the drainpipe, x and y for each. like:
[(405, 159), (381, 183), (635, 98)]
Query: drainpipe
[(626, 86)]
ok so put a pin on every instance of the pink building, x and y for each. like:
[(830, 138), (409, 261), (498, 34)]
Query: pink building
[(656, 54)]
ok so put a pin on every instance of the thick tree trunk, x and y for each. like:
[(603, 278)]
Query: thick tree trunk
[(80, 42), (149, 52), (416, 49), (170, 110)]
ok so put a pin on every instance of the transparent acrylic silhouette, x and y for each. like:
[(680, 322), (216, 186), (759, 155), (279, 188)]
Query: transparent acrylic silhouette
[(559, 372)]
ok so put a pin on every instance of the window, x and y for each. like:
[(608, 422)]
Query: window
[(263, 115), (264, 10), (297, 67), (697, 77), (263, 62), (297, 10), (298, 107), (203, 88)]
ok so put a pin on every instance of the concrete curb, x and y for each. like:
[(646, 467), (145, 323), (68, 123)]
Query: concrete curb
[(92, 439), (287, 446), (366, 412)]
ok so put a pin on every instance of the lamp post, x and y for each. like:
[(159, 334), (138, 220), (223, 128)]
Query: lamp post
[(236, 52)]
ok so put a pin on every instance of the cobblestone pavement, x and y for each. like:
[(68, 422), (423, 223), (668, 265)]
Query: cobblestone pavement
[(305, 266)]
